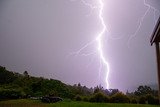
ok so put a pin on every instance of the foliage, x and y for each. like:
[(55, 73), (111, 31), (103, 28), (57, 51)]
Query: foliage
[(143, 90), (78, 98), (14, 85), (6, 77), (99, 97), (119, 98), (86, 99), (30, 86), (133, 101), (113, 91), (11, 93), (151, 99), (142, 100)]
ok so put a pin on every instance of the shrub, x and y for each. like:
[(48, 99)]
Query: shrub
[(119, 98), (142, 100), (11, 94), (85, 99), (156, 100), (92, 99), (78, 98), (99, 97), (151, 99), (133, 101)]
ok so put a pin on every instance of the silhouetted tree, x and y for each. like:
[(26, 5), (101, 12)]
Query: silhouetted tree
[(143, 90), (113, 91), (96, 89), (25, 73)]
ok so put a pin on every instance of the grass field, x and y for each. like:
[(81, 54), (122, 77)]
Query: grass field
[(36, 103)]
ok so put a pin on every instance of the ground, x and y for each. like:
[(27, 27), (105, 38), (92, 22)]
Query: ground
[(66, 103)]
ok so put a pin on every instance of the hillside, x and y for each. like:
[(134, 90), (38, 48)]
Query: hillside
[(14, 85)]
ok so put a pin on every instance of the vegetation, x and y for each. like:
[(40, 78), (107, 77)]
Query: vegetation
[(99, 97), (15, 85), (119, 98), (18, 86)]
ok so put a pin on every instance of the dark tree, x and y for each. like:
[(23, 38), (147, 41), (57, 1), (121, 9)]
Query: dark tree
[(143, 90), (26, 74), (113, 91)]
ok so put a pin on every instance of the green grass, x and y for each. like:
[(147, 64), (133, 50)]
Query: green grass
[(22, 103), (36, 103)]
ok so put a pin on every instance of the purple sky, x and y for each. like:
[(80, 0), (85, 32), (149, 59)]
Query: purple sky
[(40, 35)]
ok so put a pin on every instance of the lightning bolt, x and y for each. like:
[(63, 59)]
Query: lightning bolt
[(98, 40), (142, 19), (151, 7)]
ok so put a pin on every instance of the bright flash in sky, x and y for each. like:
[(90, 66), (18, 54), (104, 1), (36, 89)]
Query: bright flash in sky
[(103, 62)]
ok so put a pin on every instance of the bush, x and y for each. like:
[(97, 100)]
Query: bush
[(156, 101), (11, 94), (119, 98), (78, 98), (85, 99), (99, 97), (152, 100), (133, 101), (142, 100)]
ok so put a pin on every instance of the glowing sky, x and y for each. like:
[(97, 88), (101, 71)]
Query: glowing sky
[(43, 36)]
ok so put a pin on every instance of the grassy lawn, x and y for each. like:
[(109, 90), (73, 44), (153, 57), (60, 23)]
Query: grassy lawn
[(22, 103), (36, 103)]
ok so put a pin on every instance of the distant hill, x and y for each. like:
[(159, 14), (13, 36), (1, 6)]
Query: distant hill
[(24, 85)]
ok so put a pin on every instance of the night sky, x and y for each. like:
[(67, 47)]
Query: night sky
[(49, 38)]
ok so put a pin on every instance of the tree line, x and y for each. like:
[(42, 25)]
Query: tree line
[(14, 85)]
